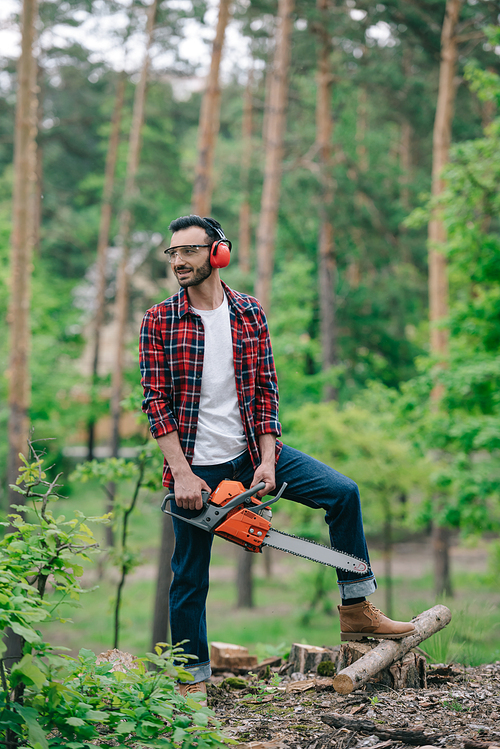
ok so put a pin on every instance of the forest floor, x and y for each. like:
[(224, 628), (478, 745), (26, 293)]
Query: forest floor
[(459, 708)]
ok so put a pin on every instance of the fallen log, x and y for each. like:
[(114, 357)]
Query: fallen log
[(388, 652), (409, 672), (412, 736)]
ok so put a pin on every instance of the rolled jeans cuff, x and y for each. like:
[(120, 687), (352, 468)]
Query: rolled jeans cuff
[(357, 588), (200, 672)]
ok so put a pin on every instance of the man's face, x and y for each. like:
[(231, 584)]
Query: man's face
[(194, 271)]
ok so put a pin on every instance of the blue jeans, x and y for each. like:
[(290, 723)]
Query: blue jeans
[(310, 483)]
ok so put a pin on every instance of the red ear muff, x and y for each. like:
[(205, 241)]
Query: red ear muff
[(220, 254)]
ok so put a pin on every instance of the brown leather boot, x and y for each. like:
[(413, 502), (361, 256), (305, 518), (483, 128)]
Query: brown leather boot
[(365, 620), (189, 688)]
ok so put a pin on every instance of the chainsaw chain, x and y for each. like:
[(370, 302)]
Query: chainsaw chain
[(309, 541)]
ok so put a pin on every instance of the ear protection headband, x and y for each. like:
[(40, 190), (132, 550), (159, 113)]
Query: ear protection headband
[(220, 252)]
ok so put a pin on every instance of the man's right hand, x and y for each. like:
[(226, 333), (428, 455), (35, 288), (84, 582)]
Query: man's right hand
[(187, 490)]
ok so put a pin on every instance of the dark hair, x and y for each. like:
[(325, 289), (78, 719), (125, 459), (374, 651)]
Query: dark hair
[(184, 222)]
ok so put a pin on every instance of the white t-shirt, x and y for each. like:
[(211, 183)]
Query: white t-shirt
[(220, 436)]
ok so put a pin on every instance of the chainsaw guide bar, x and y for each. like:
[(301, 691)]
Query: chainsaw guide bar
[(233, 513)]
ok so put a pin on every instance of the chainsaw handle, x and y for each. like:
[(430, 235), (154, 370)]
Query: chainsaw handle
[(204, 496)]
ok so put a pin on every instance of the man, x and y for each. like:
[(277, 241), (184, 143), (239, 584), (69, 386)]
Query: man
[(211, 395)]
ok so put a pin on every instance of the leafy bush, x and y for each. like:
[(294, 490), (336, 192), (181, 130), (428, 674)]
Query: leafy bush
[(52, 700)]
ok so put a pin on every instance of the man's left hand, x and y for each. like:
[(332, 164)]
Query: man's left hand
[(266, 473)]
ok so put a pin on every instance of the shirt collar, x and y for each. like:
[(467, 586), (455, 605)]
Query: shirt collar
[(237, 301)]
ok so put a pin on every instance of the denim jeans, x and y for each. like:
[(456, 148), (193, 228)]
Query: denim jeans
[(310, 483)]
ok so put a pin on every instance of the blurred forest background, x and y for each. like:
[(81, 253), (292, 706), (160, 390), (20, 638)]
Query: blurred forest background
[(351, 152)]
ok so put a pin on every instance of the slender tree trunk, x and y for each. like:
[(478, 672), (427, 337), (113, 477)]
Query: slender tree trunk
[(161, 612), (405, 163), (388, 562), (244, 579), (438, 281), (275, 130), (22, 246), (361, 128), (38, 190), (246, 161), (326, 245), (441, 551), (102, 247), (122, 291), (209, 121)]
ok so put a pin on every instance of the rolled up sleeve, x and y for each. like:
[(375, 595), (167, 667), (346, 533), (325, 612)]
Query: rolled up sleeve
[(156, 377), (266, 386)]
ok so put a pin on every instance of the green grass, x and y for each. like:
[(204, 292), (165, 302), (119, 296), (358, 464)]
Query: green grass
[(277, 620)]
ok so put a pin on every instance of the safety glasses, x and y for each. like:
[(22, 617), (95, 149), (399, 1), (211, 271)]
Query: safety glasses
[(185, 251)]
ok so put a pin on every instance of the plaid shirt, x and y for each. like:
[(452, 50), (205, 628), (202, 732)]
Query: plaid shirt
[(171, 348)]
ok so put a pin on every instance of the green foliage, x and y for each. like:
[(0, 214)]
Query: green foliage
[(359, 444), (464, 430), (45, 548), (50, 700)]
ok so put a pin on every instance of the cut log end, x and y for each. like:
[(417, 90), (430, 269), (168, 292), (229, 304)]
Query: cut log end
[(343, 684)]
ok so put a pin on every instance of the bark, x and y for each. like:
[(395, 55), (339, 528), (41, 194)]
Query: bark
[(412, 736), (438, 280), (102, 247), (209, 121), (164, 578), (405, 164), (246, 161), (441, 551), (408, 673), (305, 658), (275, 130), (387, 555), (244, 580), (22, 246), (38, 190), (122, 291), (326, 245), (361, 127), (388, 652)]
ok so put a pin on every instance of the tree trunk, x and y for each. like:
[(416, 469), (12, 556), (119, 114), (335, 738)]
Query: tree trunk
[(438, 281), (122, 291), (209, 121), (326, 246), (387, 553), (441, 551), (244, 580), (164, 578), (102, 247), (389, 651), (361, 128), (405, 164), (246, 161), (38, 190), (275, 130), (22, 247)]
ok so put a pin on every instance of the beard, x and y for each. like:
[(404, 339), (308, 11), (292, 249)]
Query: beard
[(197, 277)]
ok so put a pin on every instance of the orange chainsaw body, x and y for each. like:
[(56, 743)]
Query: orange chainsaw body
[(242, 526)]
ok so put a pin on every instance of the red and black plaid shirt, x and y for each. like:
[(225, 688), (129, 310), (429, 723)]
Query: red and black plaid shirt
[(171, 348)]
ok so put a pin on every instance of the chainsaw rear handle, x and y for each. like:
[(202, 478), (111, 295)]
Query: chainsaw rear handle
[(234, 502), (211, 516)]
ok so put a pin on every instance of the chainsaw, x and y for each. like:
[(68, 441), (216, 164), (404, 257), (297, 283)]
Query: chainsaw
[(235, 514)]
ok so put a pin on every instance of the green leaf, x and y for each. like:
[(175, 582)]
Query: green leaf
[(126, 727), (97, 715), (73, 721), (26, 668), (29, 634), (36, 734)]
